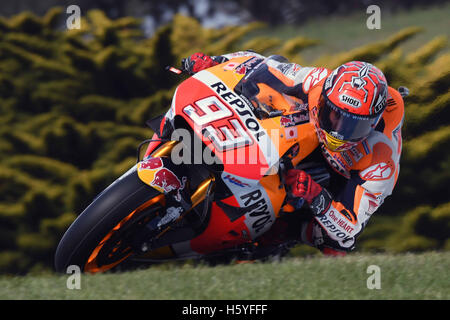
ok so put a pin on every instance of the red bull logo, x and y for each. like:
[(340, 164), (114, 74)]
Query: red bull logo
[(294, 119), (167, 180), (153, 163), (286, 121), (153, 172)]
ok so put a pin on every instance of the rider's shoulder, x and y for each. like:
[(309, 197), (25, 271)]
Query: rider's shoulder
[(384, 143), (394, 113), (312, 77)]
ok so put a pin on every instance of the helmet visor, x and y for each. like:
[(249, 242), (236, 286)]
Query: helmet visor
[(343, 125)]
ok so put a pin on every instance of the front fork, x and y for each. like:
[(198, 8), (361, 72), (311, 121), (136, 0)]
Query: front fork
[(158, 172), (164, 149)]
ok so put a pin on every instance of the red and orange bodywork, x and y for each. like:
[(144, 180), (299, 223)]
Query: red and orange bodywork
[(249, 148)]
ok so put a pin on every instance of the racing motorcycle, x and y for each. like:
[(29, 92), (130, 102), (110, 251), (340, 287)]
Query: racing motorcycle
[(210, 184)]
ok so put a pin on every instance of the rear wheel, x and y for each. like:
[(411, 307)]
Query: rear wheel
[(102, 236)]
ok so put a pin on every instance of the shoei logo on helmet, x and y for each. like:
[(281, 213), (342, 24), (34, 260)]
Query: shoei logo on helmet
[(352, 102)]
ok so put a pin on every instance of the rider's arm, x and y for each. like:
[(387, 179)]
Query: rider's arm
[(200, 61), (246, 53), (293, 79), (289, 78), (340, 218), (373, 178)]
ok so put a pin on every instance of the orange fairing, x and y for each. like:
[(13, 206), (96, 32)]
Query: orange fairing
[(303, 135), (226, 124), (275, 190), (268, 97)]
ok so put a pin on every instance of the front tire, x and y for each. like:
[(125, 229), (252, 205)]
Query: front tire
[(98, 240)]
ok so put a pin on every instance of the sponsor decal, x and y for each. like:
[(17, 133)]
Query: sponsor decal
[(254, 204), (350, 101), (341, 222), (380, 104), (319, 204), (347, 158), (289, 69), (235, 181), (336, 227), (294, 119), (335, 163), (328, 83), (356, 154), (259, 216), (230, 66), (291, 133), (366, 146), (240, 107), (286, 121), (314, 77), (240, 54), (380, 171), (248, 65), (164, 180), (373, 206), (284, 67), (153, 163), (374, 200), (294, 70), (300, 107), (244, 111), (172, 213)]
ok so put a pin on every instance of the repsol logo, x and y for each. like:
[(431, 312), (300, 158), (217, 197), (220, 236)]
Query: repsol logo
[(350, 101), (240, 107), (259, 217), (334, 231)]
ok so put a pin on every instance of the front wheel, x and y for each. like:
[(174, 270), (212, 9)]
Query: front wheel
[(101, 237)]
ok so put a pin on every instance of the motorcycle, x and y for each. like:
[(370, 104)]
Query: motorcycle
[(210, 185)]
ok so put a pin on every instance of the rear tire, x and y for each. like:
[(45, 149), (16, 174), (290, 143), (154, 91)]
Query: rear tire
[(94, 234)]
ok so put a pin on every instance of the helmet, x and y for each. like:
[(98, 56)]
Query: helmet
[(351, 104)]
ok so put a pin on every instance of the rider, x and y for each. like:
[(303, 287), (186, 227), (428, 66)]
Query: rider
[(358, 120)]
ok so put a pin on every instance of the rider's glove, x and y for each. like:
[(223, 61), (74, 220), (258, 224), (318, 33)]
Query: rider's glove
[(303, 186), (197, 62)]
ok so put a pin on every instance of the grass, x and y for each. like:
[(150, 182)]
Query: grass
[(342, 33), (405, 276)]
